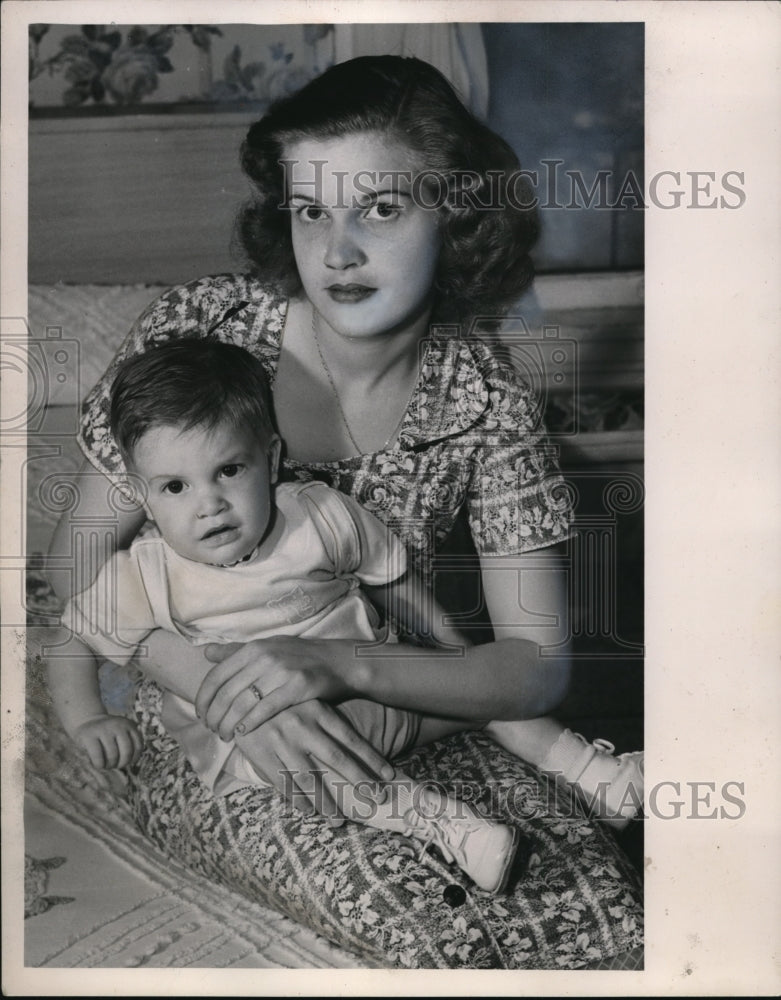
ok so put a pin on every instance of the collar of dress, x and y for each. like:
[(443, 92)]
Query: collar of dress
[(451, 394)]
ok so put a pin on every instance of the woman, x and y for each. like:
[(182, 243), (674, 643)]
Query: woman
[(370, 224)]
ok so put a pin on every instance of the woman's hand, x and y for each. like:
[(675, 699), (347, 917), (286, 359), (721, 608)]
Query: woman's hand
[(308, 752), (251, 683)]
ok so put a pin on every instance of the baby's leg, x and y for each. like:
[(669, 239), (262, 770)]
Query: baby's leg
[(394, 731), (611, 787), (529, 739), (481, 847)]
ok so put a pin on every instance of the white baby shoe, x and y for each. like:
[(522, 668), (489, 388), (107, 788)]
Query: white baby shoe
[(610, 787), (482, 848)]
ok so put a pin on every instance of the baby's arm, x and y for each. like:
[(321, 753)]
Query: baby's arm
[(413, 606), (109, 740)]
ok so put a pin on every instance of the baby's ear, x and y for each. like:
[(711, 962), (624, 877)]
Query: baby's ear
[(274, 452)]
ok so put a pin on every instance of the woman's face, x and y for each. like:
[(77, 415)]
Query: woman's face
[(365, 246)]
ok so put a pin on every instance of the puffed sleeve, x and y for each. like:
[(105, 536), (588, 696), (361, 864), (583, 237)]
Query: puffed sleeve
[(114, 614), (235, 307), (517, 499), (358, 543)]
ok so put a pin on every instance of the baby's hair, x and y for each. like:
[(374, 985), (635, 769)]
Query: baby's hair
[(484, 263), (189, 382)]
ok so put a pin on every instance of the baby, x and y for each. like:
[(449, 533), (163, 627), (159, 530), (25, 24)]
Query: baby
[(237, 556)]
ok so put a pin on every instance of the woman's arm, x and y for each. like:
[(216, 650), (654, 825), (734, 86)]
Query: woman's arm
[(524, 673)]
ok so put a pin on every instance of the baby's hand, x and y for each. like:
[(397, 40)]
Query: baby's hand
[(110, 740)]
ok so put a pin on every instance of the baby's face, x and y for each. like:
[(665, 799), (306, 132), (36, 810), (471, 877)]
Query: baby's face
[(209, 492)]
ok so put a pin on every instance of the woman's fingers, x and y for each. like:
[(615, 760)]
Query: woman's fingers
[(224, 682), (312, 792), (362, 761), (314, 752), (286, 664), (343, 751), (243, 716), (217, 652), (285, 767), (225, 667), (260, 710)]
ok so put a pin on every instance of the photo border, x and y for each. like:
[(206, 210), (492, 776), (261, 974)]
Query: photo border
[(713, 472)]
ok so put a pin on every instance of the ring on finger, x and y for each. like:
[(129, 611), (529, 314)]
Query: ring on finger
[(254, 689)]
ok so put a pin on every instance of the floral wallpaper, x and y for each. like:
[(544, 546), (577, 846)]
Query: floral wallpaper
[(157, 67)]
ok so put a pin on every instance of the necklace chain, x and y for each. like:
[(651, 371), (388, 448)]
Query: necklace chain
[(331, 382), (338, 400)]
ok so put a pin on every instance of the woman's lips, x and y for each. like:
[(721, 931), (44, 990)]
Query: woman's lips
[(350, 293)]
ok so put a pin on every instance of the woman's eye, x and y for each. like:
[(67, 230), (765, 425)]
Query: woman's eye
[(383, 210), (174, 487), (310, 213), (229, 471)]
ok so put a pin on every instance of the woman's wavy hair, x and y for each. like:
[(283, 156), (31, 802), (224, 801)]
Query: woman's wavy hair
[(484, 263)]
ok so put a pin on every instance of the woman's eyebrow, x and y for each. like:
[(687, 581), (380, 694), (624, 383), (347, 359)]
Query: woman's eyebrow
[(395, 192), (359, 198)]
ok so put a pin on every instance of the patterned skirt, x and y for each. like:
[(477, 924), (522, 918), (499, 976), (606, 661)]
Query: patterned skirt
[(574, 903)]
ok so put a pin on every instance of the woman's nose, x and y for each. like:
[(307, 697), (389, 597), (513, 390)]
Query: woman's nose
[(344, 247)]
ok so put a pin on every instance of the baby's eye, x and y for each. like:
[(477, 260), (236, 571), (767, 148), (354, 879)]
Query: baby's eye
[(229, 471), (175, 487), (383, 210)]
